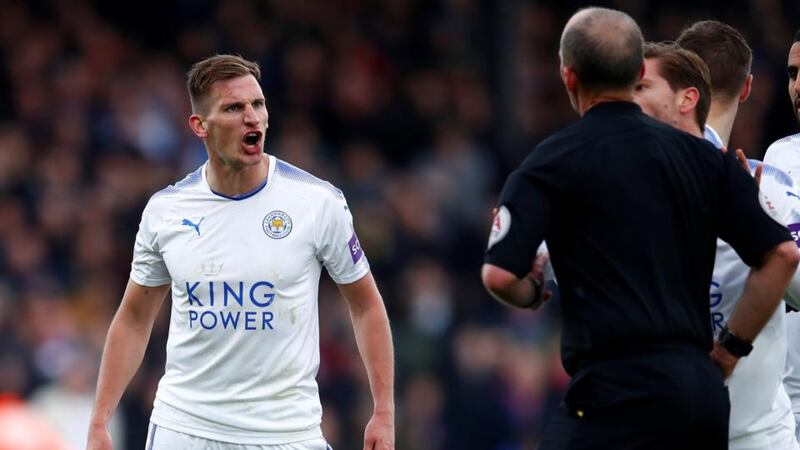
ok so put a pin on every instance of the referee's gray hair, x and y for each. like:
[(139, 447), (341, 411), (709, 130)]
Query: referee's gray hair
[(604, 47)]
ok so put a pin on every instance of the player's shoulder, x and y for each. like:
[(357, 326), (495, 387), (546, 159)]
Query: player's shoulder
[(791, 140), (169, 194), (772, 174), (304, 182), (784, 145)]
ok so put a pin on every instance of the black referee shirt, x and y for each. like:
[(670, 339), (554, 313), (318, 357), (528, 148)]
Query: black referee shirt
[(631, 209)]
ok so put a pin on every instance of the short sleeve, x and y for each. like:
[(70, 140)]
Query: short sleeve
[(148, 267), (750, 219), (778, 186), (338, 247), (522, 220), (782, 192), (785, 157)]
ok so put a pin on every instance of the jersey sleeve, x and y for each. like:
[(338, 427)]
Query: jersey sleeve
[(148, 267), (520, 224), (785, 157), (750, 220), (777, 185), (338, 247)]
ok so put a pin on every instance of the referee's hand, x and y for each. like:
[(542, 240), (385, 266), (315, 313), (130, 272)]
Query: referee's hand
[(536, 275), (723, 359)]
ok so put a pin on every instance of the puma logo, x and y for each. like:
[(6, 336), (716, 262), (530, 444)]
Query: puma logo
[(196, 226)]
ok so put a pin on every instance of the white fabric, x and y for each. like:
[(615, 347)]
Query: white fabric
[(785, 154), (780, 437), (243, 346), (160, 438), (712, 136), (760, 407), (791, 380)]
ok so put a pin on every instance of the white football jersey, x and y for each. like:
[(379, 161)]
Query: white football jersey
[(759, 402), (243, 346), (785, 154), (791, 380)]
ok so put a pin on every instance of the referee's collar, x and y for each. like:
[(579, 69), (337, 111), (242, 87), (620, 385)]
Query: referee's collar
[(614, 107)]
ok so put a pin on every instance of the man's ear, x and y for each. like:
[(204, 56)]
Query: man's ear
[(570, 78), (198, 126), (688, 100), (748, 85)]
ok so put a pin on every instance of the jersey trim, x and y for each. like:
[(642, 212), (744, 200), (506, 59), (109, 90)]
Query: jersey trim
[(711, 135), (189, 181), (787, 139), (242, 196), (291, 172)]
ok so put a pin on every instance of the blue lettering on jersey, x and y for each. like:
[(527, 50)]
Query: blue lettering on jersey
[(202, 316), (717, 322), (190, 293), (228, 289), (717, 318), (716, 297)]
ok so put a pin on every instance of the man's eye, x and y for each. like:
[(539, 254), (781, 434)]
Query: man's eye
[(639, 87), (232, 108)]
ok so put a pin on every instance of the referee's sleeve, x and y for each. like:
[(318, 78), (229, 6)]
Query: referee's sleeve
[(749, 220), (520, 224)]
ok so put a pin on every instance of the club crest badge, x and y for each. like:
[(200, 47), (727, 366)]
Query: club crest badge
[(277, 224), (500, 226)]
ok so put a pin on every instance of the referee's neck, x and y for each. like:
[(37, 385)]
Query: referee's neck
[(589, 100)]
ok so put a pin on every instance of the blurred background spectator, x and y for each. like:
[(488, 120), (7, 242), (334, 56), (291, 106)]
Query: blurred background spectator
[(416, 109)]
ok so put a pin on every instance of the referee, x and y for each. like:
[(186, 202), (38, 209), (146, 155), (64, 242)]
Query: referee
[(631, 209)]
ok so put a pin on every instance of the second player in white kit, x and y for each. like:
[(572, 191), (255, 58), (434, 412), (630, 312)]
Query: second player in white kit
[(785, 153), (761, 415)]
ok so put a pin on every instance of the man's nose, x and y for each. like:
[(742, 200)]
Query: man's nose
[(250, 115)]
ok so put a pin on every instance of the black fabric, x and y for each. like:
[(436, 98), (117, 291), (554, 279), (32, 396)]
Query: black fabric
[(630, 209), (667, 399)]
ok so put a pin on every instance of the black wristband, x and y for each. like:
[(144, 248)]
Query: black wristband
[(734, 344), (538, 291)]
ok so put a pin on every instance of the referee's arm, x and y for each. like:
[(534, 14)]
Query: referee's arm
[(507, 288), (763, 292), (513, 269), (763, 244)]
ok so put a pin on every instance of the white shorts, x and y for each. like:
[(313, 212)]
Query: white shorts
[(160, 438)]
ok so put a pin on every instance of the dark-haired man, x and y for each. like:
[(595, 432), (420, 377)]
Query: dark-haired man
[(631, 208), (785, 153)]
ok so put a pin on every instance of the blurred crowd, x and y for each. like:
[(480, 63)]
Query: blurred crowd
[(416, 109)]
